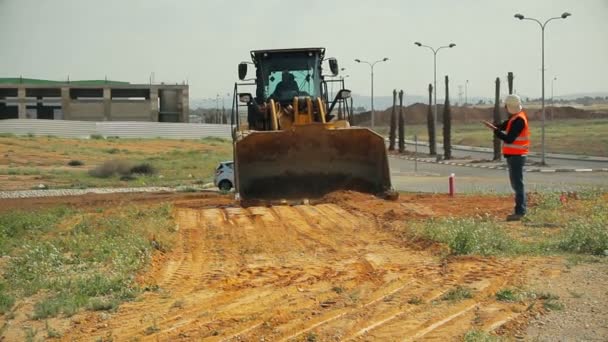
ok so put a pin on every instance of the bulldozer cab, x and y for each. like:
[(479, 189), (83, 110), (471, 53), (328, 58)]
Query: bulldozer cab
[(284, 75), (290, 145)]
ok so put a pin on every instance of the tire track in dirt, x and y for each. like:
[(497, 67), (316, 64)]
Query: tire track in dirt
[(283, 272)]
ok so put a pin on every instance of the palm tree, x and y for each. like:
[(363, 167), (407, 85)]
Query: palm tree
[(447, 123), (431, 123), (391, 135), (497, 119), (401, 124)]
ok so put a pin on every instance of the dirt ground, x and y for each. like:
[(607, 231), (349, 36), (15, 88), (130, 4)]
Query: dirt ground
[(331, 270)]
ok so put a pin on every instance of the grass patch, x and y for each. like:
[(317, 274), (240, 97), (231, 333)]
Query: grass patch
[(587, 233), (481, 336), (576, 227), (87, 264), (6, 300), (457, 294), (509, 295), (175, 162), (50, 332), (17, 226), (103, 304), (113, 150), (553, 305), (415, 301), (469, 236), (563, 136)]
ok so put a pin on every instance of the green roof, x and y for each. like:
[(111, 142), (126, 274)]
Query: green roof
[(16, 80)]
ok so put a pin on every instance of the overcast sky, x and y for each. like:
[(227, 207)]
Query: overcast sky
[(202, 41)]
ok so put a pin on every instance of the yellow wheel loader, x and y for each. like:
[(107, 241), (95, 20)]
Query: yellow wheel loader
[(292, 140)]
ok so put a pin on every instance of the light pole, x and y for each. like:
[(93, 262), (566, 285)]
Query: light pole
[(542, 29), (371, 65), (466, 85), (451, 45), (552, 102)]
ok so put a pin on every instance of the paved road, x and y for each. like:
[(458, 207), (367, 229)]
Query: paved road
[(552, 162), (434, 178)]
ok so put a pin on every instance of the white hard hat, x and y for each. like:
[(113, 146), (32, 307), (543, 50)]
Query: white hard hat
[(513, 103)]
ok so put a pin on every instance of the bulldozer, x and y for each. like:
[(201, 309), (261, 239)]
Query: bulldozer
[(292, 135)]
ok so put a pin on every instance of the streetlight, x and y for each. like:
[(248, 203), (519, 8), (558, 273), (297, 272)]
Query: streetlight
[(435, 82), (542, 28), (466, 84), (371, 65)]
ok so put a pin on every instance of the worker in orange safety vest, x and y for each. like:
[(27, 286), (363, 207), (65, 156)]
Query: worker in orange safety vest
[(515, 134)]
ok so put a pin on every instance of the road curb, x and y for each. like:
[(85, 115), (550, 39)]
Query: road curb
[(443, 162)]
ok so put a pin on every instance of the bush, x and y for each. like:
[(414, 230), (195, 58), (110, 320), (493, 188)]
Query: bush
[(75, 163), (143, 169), (96, 136), (508, 295), (111, 167), (586, 234), (469, 236)]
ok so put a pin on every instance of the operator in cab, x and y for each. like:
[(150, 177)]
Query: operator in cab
[(287, 85)]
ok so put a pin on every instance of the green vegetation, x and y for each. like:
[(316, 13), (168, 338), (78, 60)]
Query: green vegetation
[(587, 233), (157, 162), (576, 227), (562, 136), (415, 301), (509, 295), (6, 301), (96, 136), (468, 235), (72, 260), (550, 301), (19, 226), (457, 294), (75, 163), (481, 336)]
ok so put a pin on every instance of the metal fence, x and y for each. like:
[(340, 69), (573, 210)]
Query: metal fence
[(122, 129)]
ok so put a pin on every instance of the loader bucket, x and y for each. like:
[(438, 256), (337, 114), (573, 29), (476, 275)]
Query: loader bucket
[(310, 161)]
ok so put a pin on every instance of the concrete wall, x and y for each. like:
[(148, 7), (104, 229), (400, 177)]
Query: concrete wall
[(88, 110), (131, 111), (84, 129), (102, 107)]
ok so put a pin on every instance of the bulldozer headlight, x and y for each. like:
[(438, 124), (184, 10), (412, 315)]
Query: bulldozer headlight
[(245, 98), (344, 94)]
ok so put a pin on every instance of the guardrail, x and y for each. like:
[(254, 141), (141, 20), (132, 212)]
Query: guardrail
[(122, 129)]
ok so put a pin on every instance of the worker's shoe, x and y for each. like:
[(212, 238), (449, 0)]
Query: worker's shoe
[(514, 217)]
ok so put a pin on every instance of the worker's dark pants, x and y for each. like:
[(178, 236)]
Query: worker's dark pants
[(516, 175)]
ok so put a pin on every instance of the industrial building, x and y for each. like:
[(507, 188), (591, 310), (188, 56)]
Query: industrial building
[(92, 101)]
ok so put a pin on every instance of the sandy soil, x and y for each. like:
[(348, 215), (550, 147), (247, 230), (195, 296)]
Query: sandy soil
[(324, 271), (331, 270)]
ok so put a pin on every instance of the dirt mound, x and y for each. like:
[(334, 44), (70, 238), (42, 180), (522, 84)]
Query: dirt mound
[(422, 205)]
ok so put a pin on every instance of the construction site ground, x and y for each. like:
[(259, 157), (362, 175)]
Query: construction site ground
[(335, 269)]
